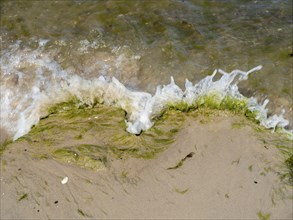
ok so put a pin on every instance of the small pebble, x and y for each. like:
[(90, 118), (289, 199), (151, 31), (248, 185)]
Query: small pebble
[(65, 180)]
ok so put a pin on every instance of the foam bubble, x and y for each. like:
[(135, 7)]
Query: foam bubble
[(32, 81)]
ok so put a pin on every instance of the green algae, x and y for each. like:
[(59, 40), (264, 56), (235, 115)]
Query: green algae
[(263, 216), (90, 149), (61, 135), (23, 196), (180, 163), (150, 142), (289, 163), (82, 213), (181, 191), (237, 125), (3, 163), (67, 155), (174, 130), (124, 174), (251, 116), (63, 106), (235, 162), (234, 105), (163, 140), (40, 156), (89, 136), (283, 143), (181, 106), (237, 106), (213, 101), (92, 163), (124, 153), (4, 146), (287, 152), (78, 137)]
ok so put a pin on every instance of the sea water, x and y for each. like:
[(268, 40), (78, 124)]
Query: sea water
[(119, 53)]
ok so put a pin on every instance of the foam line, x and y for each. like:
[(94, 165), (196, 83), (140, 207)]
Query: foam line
[(23, 105)]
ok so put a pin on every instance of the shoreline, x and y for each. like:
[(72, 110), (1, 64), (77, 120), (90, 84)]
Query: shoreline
[(217, 167)]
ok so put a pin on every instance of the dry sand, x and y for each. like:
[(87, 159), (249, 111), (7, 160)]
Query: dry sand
[(231, 174)]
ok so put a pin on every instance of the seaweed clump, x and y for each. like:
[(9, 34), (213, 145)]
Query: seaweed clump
[(214, 102), (92, 136)]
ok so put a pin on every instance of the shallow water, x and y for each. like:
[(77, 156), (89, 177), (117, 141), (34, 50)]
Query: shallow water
[(142, 44)]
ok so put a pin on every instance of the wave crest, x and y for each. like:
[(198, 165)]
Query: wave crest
[(22, 108)]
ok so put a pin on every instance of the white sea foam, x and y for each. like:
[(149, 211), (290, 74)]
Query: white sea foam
[(31, 81)]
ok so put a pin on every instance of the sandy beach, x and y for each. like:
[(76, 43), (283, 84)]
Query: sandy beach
[(146, 109), (218, 167)]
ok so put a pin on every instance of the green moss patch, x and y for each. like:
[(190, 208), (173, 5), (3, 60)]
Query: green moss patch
[(213, 101), (90, 136)]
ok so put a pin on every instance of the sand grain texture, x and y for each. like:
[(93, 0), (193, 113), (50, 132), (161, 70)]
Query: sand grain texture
[(226, 173)]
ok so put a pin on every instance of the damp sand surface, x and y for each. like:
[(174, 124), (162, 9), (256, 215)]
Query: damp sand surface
[(218, 167)]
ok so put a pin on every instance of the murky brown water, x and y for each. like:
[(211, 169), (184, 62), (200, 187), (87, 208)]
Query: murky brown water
[(143, 43)]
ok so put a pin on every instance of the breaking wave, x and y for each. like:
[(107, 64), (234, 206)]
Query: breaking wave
[(25, 98)]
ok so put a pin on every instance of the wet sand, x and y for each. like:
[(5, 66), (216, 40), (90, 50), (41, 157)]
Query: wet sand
[(217, 168)]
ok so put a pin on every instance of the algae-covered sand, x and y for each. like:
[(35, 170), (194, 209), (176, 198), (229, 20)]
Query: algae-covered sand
[(201, 164)]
